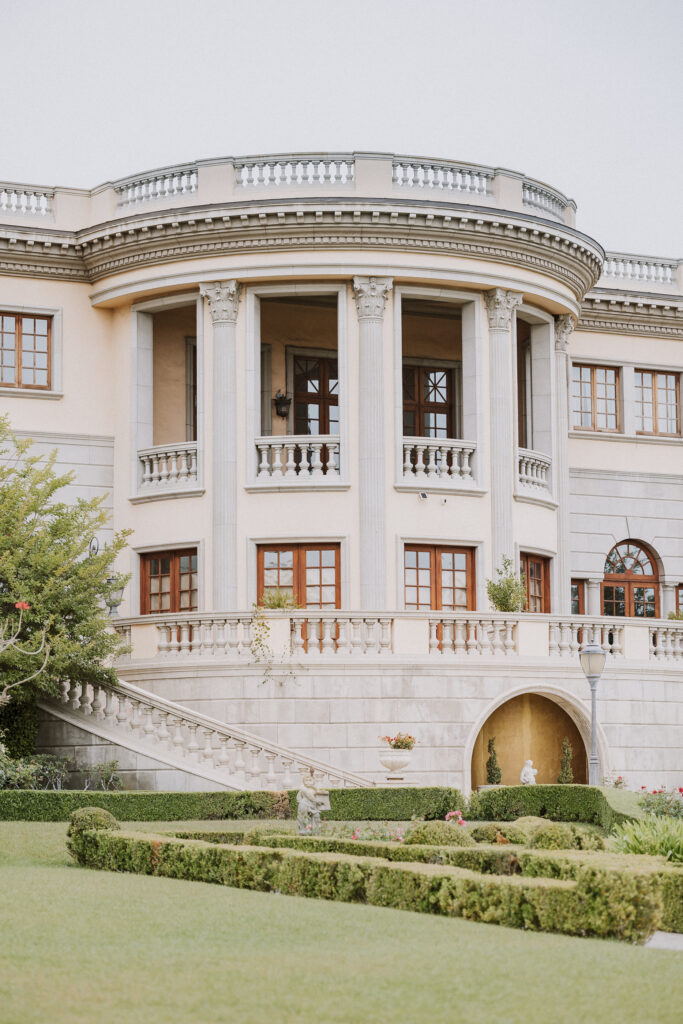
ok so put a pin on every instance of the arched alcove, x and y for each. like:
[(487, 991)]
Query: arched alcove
[(528, 726)]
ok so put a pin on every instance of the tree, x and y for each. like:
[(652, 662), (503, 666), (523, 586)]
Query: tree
[(566, 775), (507, 592), (45, 564), (493, 772)]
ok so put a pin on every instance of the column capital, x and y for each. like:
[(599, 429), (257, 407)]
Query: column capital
[(564, 325), (224, 298), (371, 294), (500, 305)]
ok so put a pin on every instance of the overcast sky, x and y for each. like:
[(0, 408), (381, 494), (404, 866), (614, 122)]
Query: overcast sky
[(586, 95)]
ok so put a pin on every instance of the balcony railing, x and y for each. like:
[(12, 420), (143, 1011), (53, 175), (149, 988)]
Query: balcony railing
[(408, 172), (167, 183), (307, 169), (299, 459), (438, 460), (533, 472), (169, 467), (23, 199)]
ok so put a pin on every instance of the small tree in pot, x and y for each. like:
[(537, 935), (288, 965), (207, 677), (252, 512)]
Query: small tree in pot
[(493, 772)]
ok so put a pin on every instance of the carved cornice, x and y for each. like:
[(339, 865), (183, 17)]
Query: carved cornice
[(564, 325), (138, 241), (223, 298), (500, 305), (371, 294), (649, 315)]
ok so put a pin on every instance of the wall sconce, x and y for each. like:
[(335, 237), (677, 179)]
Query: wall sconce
[(282, 404)]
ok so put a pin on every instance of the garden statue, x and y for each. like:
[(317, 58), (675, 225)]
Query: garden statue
[(528, 776), (311, 800)]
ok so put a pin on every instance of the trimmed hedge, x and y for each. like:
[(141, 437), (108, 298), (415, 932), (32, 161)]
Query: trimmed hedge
[(561, 803), (624, 906), (388, 804)]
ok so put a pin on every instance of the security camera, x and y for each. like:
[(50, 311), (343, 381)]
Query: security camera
[(422, 495)]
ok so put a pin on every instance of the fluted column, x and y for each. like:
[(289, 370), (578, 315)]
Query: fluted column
[(223, 298), (371, 295), (564, 325), (500, 306)]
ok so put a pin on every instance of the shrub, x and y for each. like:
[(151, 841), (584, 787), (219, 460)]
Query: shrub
[(391, 803), (103, 775), (507, 592), (33, 805), (566, 776), (489, 832), (84, 819), (655, 835), (530, 824), (438, 833), (561, 803), (553, 837), (663, 802), (493, 772)]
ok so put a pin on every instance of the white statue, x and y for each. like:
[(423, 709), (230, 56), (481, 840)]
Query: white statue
[(311, 800), (529, 773)]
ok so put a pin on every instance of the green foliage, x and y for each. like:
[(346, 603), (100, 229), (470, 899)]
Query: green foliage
[(277, 599), (554, 836), (42, 772), (488, 833), (84, 818), (507, 592), (19, 727), (660, 836), (45, 561), (566, 776), (438, 833), (142, 806), (561, 803), (493, 772), (676, 615), (103, 775), (391, 804), (663, 802)]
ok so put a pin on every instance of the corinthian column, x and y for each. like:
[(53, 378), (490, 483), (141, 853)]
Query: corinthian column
[(564, 325), (371, 295), (223, 298), (500, 306)]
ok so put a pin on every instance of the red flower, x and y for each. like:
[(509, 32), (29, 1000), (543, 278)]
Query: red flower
[(643, 787), (680, 789), (22, 606)]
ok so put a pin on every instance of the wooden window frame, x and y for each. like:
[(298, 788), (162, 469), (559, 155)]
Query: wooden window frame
[(174, 554), (18, 366), (594, 406), (325, 400), (679, 597), (581, 595), (435, 551), (629, 580), (655, 417), (299, 566), (524, 558), (419, 406)]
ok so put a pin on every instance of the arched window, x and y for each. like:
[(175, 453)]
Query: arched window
[(630, 585)]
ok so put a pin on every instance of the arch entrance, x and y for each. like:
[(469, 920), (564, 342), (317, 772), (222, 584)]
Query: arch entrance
[(529, 726)]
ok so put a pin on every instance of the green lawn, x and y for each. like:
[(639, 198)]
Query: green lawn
[(89, 946)]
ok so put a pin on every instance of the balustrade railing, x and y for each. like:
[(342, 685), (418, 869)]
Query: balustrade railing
[(303, 169), (168, 467), (205, 635), (533, 470), (639, 269), (163, 184), (666, 642), (340, 633), (471, 634), (409, 172), (567, 636), (185, 738), (546, 201), (23, 199), (299, 458), (439, 460)]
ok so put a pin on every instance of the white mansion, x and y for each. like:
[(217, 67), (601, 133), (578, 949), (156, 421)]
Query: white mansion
[(361, 380)]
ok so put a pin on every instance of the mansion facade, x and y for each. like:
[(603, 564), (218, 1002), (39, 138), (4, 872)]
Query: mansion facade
[(330, 395)]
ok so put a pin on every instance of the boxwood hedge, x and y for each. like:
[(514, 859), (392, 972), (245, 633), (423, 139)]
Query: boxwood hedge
[(561, 803)]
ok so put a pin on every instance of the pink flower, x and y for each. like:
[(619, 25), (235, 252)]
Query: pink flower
[(23, 606)]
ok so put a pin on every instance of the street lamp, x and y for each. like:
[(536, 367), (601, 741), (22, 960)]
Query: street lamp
[(592, 658)]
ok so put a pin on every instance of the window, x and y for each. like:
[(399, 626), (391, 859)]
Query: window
[(536, 572), (679, 597), (427, 401), (25, 351), (316, 395), (168, 582), (438, 578), (657, 402), (630, 585), (595, 397), (307, 572), (578, 597)]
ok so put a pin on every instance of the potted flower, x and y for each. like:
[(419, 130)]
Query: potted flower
[(397, 753)]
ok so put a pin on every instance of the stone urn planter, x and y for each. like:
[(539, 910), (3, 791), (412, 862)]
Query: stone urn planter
[(395, 761)]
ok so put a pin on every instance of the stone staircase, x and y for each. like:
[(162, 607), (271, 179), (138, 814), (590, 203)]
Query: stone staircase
[(185, 740)]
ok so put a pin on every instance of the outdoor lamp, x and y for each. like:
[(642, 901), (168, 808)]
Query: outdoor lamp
[(282, 404), (114, 598), (592, 658)]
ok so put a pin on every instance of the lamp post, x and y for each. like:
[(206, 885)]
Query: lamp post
[(592, 658)]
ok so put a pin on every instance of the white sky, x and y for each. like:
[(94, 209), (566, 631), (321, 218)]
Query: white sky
[(585, 95)]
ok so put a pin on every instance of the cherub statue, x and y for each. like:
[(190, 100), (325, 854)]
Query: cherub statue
[(311, 800), (528, 775)]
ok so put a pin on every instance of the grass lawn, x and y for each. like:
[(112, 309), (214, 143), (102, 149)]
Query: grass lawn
[(91, 946)]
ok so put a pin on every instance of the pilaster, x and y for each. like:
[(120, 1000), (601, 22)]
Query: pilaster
[(564, 325), (223, 299), (371, 294)]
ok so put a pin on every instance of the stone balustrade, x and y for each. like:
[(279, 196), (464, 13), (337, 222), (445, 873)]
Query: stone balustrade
[(414, 172), (167, 183), (168, 467), (305, 635), (22, 200), (438, 460), (177, 736), (546, 201), (533, 471), (298, 458), (304, 169), (637, 270)]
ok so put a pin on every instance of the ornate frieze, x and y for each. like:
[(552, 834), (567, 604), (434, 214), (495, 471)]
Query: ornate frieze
[(647, 315), (564, 325), (223, 298), (500, 305), (371, 294)]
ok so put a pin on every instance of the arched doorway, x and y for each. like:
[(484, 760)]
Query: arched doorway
[(528, 726), (631, 584)]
